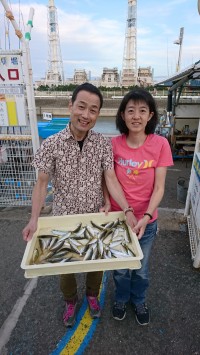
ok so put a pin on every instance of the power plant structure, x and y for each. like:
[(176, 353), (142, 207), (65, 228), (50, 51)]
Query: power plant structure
[(55, 73), (130, 74), (129, 67)]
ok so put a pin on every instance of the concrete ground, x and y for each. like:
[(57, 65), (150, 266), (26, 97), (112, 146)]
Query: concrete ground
[(31, 309)]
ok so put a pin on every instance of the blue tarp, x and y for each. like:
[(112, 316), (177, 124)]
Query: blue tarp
[(46, 129)]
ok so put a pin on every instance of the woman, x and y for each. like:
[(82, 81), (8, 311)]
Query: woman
[(141, 160)]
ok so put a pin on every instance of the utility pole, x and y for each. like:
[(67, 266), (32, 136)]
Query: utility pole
[(198, 6)]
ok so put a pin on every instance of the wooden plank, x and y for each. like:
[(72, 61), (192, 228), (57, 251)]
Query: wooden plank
[(185, 142), (187, 148), (184, 136)]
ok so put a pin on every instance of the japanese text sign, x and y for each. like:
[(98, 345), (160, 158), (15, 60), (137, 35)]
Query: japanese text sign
[(10, 69)]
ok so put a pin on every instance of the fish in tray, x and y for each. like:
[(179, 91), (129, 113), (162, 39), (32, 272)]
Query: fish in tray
[(89, 242)]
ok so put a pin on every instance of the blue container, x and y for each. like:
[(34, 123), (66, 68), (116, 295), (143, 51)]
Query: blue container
[(60, 120), (46, 129)]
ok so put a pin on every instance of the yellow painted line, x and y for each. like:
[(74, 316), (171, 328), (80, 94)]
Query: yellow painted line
[(76, 340), (79, 335)]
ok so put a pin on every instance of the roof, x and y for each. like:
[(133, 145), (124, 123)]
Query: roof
[(191, 72)]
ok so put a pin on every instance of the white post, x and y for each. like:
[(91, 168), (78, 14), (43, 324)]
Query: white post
[(196, 149), (14, 23), (30, 92), (196, 262)]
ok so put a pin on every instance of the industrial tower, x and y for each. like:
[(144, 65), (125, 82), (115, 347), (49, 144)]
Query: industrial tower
[(55, 74), (129, 68)]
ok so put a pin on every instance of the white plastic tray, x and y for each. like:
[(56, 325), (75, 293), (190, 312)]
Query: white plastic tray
[(70, 222)]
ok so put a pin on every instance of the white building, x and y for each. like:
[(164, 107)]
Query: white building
[(145, 76), (110, 77), (80, 76)]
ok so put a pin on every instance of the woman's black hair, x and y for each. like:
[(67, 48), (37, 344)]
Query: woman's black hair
[(90, 88), (137, 95)]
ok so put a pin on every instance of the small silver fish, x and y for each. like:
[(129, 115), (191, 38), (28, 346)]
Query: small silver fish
[(74, 247), (101, 228), (59, 232), (100, 247), (58, 245), (129, 251), (105, 255), (93, 241), (88, 254), (42, 244), (44, 257), (118, 254), (104, 234), (53, 242), (115, 234), (95, 253), (118, 238), (90, 230), (84, 249), (77, 229), (127, 235), (55, 260), (109, 225), (66, 259), (62, 251), (116, 223), (79, 234), (74, 241), (35, 255), (114, 244), (66, 236)]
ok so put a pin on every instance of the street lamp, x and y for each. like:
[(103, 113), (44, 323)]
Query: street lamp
[(179, 42)]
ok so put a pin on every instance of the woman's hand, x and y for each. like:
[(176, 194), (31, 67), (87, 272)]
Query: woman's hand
[(131, 220), (106, 208), (140, 227)]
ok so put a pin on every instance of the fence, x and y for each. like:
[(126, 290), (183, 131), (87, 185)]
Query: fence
[(17, 176)]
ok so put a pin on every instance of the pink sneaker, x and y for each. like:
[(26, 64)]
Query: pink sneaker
[(69, 315), (94, 307)]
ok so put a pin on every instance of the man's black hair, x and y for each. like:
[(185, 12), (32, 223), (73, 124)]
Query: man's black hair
[(90, 88)]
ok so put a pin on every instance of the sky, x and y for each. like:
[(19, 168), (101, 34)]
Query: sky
[(92, 34)]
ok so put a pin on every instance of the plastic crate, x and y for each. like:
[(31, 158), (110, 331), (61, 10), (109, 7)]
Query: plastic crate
[(45, 224)]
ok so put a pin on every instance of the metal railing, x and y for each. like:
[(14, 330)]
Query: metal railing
[(114, 94)]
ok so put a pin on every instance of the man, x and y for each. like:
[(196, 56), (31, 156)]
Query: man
[(76, 159)]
